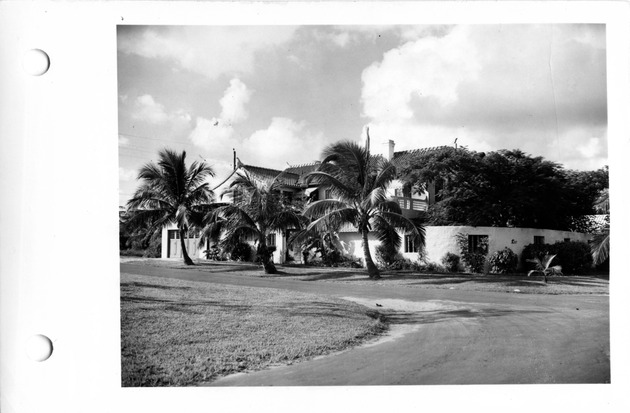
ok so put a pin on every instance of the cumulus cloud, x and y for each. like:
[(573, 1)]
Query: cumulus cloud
[(123, 141), (515, 86), (148, 110), (127, 174), (234, 100), (429, 68), (211, 134), (209, 50), (285, 140), (215, 133)]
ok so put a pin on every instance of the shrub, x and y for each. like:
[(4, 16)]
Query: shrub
[(533, 252), (242, 251), (214, 254), (401, 263), (574, 257), (132, 253), (450, 262), (475, 261), (432, 267), (504, 261), (386, 255)]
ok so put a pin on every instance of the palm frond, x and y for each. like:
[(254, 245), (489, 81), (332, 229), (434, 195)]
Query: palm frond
[(386, 174), (322, 207), (410, 227), (600, 247), (197, 175), (338, 187), (386, 233), (332, 217), (285, 220)]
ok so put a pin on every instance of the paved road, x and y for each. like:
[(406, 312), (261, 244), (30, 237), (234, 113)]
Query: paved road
[(444, 336)]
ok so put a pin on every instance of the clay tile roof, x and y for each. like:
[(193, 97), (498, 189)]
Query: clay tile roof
[(286, 178), (405, 156), (302, 170)]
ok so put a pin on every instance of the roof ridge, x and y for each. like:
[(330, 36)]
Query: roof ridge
[(304, 164), (428, 148), (278, 171)]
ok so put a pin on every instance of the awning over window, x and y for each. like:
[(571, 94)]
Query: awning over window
[(309, 191)]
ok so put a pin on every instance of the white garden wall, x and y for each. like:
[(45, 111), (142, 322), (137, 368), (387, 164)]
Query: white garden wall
[(443, 239)]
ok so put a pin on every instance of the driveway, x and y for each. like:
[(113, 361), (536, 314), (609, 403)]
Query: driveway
[(444, 336)]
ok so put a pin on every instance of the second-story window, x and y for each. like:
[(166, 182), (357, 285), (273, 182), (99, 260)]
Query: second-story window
[(271, 240), (538, 240)]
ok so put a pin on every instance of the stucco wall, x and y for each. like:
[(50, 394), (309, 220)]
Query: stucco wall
[(353, 247), (442, 239), (278, 255)]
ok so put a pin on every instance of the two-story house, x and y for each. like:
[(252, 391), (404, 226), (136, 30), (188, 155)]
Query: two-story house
[(294, 186), (439, 239)]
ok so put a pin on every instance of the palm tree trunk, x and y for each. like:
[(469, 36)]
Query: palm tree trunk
[(266, 257), (369, 263), (187, 259)]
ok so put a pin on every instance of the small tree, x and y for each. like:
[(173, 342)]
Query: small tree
[(543, 267), (257, 210)]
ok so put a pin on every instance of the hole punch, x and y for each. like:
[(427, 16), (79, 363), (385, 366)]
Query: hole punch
[(39, 347), (36, 62)]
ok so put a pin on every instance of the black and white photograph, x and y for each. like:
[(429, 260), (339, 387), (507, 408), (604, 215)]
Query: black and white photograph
[(345, 205), (314, 206)]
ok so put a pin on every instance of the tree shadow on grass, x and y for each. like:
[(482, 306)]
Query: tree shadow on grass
[(179, 305), (132, 284), (428, 317), (330, 275)]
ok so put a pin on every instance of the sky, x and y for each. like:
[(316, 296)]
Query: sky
[(278, 95)]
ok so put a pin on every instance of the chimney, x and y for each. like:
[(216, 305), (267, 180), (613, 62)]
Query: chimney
[(388, 149)]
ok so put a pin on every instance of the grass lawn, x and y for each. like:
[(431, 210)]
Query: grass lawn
[(511, 283), (569, 284), (182, 333)]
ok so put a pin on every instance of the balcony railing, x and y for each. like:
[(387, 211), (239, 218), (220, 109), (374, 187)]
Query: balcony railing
[(411, 203)]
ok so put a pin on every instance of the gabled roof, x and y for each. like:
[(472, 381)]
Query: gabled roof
[(287, 178), (302, 170), (405, 156)]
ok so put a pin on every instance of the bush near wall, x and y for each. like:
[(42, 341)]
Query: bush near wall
[(503, 262), (386, 255), (241, 252), (574, 256), (451, 262)]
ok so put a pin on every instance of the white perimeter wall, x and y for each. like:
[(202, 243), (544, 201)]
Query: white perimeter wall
[(278, 255), (439, 241), (443, 239)]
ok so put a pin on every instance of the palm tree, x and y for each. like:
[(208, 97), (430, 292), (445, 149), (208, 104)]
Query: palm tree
[(359, 183), (543, 267), (257, 210), (171, 193), (601, 241)]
